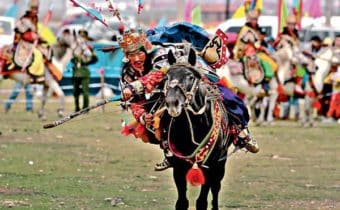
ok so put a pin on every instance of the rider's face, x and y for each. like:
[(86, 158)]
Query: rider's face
[(291, 26), (34, 10), (253, 22), (316, 44), (137, 60)]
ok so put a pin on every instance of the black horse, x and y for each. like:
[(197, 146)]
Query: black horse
[(195, 130)]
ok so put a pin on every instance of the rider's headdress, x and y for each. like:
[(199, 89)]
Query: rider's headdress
[(252, 14), (132, 41), (34, 4), (291, 19)]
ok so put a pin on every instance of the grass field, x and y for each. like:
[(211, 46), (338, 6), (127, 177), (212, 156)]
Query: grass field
[(80, 164)]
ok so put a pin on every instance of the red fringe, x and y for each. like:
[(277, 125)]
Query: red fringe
[(139, 131), (317, 105), (195, 176), (127, 130)]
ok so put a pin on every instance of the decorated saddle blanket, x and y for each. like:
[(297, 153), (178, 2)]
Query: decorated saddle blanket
[(34, 64)]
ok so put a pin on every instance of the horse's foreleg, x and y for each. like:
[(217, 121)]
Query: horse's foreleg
[(216, 179), (55, 88), (303, 112), (272, 100), (309, 110), (263, 105), (41, 113), (181, 184), (202, 201)]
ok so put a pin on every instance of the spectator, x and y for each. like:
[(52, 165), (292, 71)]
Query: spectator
[(15, 92)]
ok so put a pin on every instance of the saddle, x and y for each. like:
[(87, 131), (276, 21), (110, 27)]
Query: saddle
[(253, 71), (9, 66)]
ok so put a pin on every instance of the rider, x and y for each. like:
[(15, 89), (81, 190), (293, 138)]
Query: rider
[(27, 26), (139, 53), (290, 30)]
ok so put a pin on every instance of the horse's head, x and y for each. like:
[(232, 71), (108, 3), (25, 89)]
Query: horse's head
[(182, 83)]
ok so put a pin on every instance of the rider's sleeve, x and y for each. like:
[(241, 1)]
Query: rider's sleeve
[(147, 83), (138, 111)]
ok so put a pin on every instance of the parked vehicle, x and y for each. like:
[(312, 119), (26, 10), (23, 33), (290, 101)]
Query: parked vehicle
[(7, 25)]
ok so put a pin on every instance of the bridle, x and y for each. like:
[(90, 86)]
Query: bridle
[(189, 95)]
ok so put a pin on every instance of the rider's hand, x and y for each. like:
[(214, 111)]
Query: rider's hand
[(127, 94), (148, 118)]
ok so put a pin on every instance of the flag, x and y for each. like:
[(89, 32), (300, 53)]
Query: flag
[(187, 11), (48, 15), (315, 9), (259, 5), (91, 11), (246, 7), (239, 13), (282, 14), (196, 16), (140, 6), (252, 4), (298, 11)]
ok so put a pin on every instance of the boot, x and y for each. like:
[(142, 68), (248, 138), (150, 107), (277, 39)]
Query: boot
[(165, 164), (247, 141)]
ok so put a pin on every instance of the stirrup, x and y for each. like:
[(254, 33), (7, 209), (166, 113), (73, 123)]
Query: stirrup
[(163, 165)]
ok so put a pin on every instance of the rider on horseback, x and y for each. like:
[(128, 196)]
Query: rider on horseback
[(26, 33), (291, 36), (249, 48), (148, 82)]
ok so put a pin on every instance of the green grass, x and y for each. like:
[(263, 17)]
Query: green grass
[(79, 164)]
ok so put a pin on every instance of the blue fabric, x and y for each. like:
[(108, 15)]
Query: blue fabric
[(179, 33), (15, 92), (235, 106)]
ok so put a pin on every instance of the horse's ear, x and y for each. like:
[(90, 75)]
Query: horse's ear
[(192, 57), (171, 58)]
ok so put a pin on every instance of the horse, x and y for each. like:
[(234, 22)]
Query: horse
[(322, 63), (288, 53), (195, 128), (60, 55)]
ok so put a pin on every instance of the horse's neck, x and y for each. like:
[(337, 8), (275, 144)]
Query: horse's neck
[(188, 130), (63, 60), (323, 61), (284, 54)]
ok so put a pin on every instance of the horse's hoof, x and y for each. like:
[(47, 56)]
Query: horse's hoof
[(60, 113), (312, 125), (43, 118), (259, 123)]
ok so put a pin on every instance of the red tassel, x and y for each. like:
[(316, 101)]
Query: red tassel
[(317, 105), (195, 176), (127, 130), (139, 131)]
